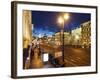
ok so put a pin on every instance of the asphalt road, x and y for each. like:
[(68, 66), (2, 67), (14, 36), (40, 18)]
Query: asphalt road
[(77, 56)]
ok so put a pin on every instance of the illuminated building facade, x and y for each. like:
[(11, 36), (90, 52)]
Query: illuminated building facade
[(82, 35), (27, 28), (58, 38), (76, 36), (86, 33)]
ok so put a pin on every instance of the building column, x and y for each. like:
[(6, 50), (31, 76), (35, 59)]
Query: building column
[(27, 28)]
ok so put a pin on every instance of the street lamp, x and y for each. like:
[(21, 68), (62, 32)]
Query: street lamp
[(66, 16), (61, 20)]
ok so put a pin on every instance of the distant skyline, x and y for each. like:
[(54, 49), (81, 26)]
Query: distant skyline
[(46, 22)]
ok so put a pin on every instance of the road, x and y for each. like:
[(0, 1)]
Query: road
[(77, 56), (73, 56)]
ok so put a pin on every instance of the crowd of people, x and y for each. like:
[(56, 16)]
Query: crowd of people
[(29, 52)]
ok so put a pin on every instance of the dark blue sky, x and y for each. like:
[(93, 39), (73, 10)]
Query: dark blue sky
[(46, 22)]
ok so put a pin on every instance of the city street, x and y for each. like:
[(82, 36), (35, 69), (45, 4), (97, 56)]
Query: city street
[(73, 56), (65, 44)]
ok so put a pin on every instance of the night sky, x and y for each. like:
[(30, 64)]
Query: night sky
[(46, 22)]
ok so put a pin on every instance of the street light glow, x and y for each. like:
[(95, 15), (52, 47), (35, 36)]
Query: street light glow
[(60, 20), (66, 16)]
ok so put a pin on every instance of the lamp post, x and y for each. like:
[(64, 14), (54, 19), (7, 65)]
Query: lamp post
[(61, 20)]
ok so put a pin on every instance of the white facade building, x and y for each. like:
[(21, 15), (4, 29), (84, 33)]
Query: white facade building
[(76, 36)]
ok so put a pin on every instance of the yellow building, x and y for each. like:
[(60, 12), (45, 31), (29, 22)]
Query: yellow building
[(86, 33), (27, 28), (58, 38)]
